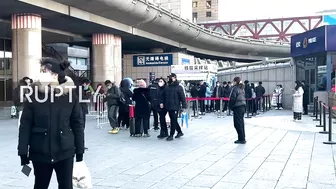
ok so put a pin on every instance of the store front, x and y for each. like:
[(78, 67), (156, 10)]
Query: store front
[(314, 54), (5, 70)]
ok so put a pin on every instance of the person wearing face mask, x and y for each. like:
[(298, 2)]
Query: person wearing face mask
[(112, 98), (217, 93), (173, 98), (85, 95), (153, 90), (237, 104), (160, 95), (51, 130)]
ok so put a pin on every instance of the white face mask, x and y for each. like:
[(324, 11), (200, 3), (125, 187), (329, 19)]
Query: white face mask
[(109, 87), (161, 84), (217, 84)]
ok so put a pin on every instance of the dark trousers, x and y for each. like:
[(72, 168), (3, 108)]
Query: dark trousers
[(123, 118), (163, 123), (112, 115), (305, 108), (84, 119), (225, 107), (202, 106), (43, 173), (279, 105), (297, 116), (238, 122), (156, 117), (174, 125), (141, 121), (217, 105)]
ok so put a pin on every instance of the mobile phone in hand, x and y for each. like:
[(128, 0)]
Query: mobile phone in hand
[(26, 170)]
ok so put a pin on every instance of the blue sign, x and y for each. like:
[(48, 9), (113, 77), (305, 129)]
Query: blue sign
[(331, 38), (329, 19), (153, 60), (185, 61), (312, 41)]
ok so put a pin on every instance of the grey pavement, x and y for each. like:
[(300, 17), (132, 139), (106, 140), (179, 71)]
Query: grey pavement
[(279, 154)]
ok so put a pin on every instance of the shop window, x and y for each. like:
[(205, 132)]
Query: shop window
[(72, 60), (194, 4), (208, 4), (81, 61), (208, 14)]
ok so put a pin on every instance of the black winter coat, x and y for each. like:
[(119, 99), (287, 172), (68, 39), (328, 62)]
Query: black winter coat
[(142, 102), (174, 97), (226, 91), (160, 96), (305, 95), (260, 91), (237, 98), (202, 91), (51, 131), (86, 95), (127, 94), (194, 92), (248, 91), (218, 91), (153, 93)]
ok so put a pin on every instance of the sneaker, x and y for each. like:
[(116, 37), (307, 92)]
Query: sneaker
[(115, 130), (179, 135), (146, 135), (170, 138), (111, 131)]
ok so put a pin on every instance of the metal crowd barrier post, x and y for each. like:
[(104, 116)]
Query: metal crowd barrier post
[(269, 102), (324, 121), (197, 112), (317, 112), (221, 113), (102, 111), (266, 106), (320, 119), (315, 106), (247, 109), (330, 128)]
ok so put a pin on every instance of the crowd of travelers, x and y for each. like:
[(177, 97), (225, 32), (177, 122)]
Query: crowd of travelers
[(51, 133)]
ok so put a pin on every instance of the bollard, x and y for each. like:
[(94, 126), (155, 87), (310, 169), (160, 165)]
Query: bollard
[(317, 112), (220, 113), (247, 109), (315, 106), (330, 128), (269, 102), (324, 122), (320, 119), (266, 103)]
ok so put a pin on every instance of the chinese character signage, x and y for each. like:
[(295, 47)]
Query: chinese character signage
[(194, 68), (153, 60), (312, 41)]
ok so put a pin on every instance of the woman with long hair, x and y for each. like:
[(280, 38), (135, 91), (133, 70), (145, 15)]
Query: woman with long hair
[(298, 101), (123, 117), (237, 104)]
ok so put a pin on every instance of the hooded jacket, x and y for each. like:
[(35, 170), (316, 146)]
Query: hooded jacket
[(52, 127)]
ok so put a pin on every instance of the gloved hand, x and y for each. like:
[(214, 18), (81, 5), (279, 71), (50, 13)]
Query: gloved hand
[(79, 157), (24, 160)]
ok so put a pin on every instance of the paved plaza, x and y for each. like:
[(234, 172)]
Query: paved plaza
[(279, 154)]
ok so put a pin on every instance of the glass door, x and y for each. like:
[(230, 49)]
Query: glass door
[(311, 82)]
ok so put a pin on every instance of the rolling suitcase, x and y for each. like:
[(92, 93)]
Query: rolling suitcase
[(132, 120)]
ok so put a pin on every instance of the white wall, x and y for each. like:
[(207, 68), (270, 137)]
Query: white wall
[(270, 77)]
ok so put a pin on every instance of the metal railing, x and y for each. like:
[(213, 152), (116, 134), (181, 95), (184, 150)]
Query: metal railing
[(211, 32)]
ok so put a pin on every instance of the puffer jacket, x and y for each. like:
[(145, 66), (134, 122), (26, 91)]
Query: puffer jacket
[(174, 97), (51, 130), (237, 97)]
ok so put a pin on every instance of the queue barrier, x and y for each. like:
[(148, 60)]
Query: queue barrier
[(322, 117)]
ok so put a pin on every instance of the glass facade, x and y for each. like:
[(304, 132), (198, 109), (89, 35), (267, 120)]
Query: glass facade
[(5, 70), (313, 70)]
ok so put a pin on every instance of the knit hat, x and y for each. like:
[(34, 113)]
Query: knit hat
[(142, 83)]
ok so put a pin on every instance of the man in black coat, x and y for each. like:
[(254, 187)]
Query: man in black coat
[(153, 90), (260, 92), (112, 98), (85, 96), (202, 94), (174, 97), (305, 98), (194, 94), (248, 95), (52, 130)]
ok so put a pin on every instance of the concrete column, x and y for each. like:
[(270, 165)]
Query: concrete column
[(26, 45), (107, 58)]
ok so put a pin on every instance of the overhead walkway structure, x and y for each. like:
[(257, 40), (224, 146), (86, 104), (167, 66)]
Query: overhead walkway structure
[(145, 19)]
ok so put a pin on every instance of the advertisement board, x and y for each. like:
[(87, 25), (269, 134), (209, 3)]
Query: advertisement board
[(312, 41), (152, 60)]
